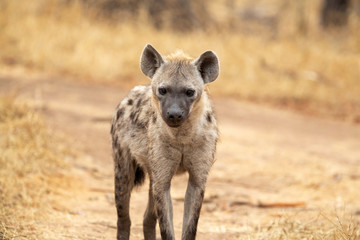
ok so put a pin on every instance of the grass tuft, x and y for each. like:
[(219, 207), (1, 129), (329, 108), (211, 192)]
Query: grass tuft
[(32, 160), (329, 226)]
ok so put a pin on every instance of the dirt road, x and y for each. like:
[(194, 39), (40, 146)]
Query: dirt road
[(271, 165)]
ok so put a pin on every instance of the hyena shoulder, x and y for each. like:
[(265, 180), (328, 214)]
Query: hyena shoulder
[(134, 110), (131, 120)]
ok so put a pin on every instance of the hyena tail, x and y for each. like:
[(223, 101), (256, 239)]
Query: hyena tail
[(139, 175)]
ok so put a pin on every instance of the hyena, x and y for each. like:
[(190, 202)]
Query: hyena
[(161, 129)]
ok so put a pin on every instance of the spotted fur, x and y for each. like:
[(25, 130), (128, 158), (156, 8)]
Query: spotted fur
[(159, 130)]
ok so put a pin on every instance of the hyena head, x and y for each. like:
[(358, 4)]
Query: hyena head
[(178, 81)]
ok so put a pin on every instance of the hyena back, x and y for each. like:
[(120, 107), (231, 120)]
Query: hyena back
[(162, 129)]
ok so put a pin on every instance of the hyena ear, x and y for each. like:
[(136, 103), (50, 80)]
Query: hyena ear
[(150, 61), (208, 66)]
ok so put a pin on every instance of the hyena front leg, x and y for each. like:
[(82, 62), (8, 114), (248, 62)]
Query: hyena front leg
[(124, 181), (163, 168), (164, 210), (198, 169), (149, 223), (193, 201)]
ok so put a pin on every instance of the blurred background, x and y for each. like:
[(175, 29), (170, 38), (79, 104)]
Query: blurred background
[(303, 55), (66, 64)]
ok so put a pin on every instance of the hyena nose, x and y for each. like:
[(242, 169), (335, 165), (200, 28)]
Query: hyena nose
[(175, 116)]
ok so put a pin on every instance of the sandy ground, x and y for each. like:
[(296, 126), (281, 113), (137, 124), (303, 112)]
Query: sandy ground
[(271, 165)]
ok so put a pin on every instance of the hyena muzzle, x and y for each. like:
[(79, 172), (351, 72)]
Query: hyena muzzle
[(161, 129)]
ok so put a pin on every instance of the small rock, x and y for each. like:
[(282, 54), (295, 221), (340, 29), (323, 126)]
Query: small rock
[(77, 213), (210, 207)]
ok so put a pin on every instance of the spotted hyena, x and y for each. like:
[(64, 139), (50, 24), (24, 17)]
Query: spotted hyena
[(161, 129)]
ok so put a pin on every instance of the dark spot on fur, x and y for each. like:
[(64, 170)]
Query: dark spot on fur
[(124, 179), (143, 124), (112, 129), (138, 103), (145, 102), (154, 119), (119, 113), (148, 113), (119, 207), (130, 102), (118, 154), (138, 95), (117, 196), (115, 141), (132, 116), (127, 154), (117, 179), (208, 117)]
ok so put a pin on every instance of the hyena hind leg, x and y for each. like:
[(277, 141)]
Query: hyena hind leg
[(124, 182), (127, 175)]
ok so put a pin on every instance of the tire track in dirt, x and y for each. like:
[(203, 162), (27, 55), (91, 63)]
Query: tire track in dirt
[(265, 156)]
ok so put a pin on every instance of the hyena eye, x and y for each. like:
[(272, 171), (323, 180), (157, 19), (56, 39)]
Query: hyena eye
[(190, 92), (162, 91)]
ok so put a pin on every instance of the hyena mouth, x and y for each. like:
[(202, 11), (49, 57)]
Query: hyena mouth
[(173, 124)]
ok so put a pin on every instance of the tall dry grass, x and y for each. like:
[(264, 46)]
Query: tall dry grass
[(327, 226), (32, 168), (290, 63)]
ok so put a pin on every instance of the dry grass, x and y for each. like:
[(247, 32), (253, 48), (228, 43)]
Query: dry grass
[(32, 168), (326, 226), (316, 72), (303, 68)]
